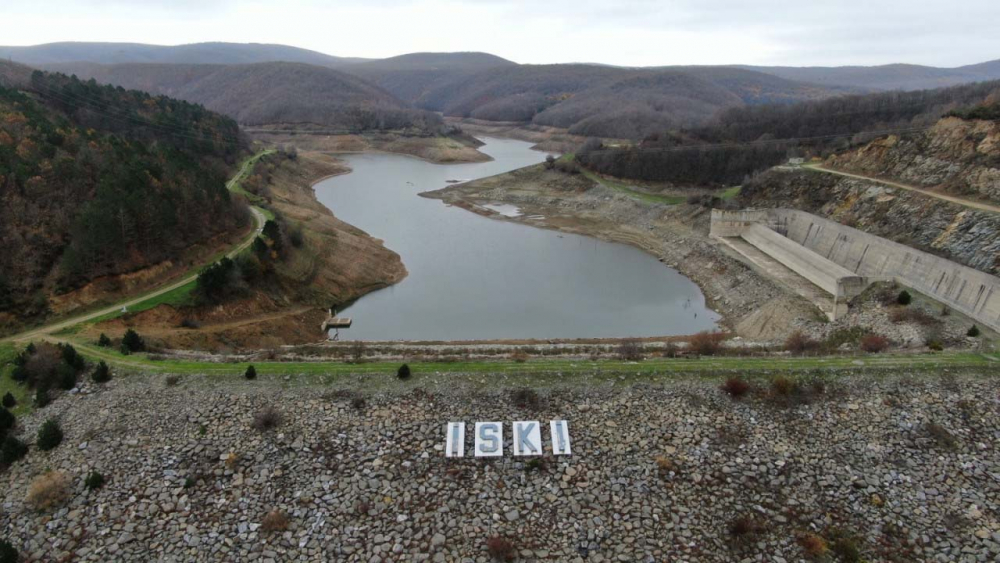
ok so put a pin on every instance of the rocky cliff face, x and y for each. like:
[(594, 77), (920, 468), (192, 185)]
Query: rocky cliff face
[(956, 232), (958, 156)]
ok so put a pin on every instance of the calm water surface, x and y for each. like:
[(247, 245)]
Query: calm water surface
[(471, 277)]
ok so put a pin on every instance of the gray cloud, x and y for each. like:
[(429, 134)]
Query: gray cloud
[(625, 32)]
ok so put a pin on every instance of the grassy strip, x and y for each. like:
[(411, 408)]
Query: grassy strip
[(730, 193), (7, 385), (558, 366), (626, 189)]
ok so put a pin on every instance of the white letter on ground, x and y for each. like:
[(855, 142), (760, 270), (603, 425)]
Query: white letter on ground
[(489, 439), (560, 437), (454, 441), (527, 438)]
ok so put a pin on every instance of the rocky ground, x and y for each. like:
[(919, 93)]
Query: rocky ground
[(874, 467)]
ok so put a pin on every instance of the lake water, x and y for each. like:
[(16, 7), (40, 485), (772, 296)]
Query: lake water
[(472, 277)]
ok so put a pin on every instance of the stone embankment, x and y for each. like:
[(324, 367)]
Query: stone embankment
[(892, 468)]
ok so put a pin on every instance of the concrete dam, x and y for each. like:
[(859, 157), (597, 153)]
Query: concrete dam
[(841, 261)]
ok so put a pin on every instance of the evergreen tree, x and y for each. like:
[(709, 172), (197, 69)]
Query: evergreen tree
[(9, 401), (102, 373), (250, 373), (50, 435), (11, 450), (133, 341)]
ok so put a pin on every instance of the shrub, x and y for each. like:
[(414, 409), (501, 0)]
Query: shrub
[(501, 549), (941, 436), (50, 435), (124, 350), (71, 357), (48, 490), (7, 420), (102, 374), (8, 553), (190, 323), (42, 398), (525, 399), (172, 380), (133, 341), (94, 480), (813, 545), (275, 521), (935, 345), (403, 372), (744, 529), (912, 315), (904, 298), (267, 419), (845, 547), (250, 373), (665, 464), (519, 356), (874, 343), (358, 403), (798, 343), (706, 343), (103, 341), (11, 450), (9, 401), (67, 377), (973, 332), (357, 351), (783, 386), (630, 350), (735, 387)]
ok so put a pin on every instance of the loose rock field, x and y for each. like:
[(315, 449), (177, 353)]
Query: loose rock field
[(899, 468)]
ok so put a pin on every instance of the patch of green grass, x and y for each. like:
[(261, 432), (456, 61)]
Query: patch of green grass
[(181, 296), (630, 191), (7, 385), (558, 367), (730, 193)]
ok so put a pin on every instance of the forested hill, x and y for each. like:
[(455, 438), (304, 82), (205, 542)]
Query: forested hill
[(270, 93), (97, 180), (744, 140)]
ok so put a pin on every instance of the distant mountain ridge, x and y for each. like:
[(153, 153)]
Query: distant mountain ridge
[(194, 53), (887, 77), (586, 99)]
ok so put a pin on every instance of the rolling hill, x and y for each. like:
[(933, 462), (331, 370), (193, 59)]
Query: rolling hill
[(195, 53), (268, 93), (609, 101)]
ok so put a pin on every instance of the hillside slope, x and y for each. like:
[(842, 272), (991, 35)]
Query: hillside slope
[(957, 156), (195, 53), (99, 181), (268, 93)]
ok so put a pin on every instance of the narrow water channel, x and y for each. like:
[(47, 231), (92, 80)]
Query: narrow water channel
[(471, 277)]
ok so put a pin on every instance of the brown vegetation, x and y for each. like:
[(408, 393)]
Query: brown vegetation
[(48, 490)]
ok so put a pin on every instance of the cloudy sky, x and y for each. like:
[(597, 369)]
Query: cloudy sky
[(622, 32)]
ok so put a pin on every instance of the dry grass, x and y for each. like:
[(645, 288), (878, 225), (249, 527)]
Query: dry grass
[(275, 521), (706, 343), (267, 419), (501, 549), (48, 490), (735, 387), (814, 546)]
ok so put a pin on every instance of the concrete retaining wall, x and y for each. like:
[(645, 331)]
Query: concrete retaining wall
[(829, 276), (975, 293)]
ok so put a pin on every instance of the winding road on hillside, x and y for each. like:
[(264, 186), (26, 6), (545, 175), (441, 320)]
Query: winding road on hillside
[(952, 199), (232, 185)]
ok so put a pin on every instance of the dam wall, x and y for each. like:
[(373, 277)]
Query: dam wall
[(873, 258)]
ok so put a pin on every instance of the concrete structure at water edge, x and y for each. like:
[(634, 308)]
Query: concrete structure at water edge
[(842, 261)]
